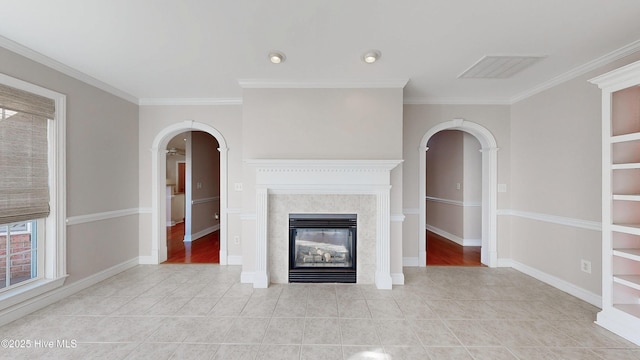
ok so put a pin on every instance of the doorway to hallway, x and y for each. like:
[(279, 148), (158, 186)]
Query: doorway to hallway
[(442, 252), (205, 250)]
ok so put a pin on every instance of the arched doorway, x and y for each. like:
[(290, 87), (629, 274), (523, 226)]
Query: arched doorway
[(489, 255), (158, 203)]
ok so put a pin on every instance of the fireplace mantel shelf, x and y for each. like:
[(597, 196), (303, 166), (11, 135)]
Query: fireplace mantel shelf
[(322, 165)]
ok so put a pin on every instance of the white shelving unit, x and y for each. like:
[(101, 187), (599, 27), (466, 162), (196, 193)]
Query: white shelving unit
[(621, 201)]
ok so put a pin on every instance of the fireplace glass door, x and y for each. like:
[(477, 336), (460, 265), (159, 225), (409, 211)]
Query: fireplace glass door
[(322, 247)]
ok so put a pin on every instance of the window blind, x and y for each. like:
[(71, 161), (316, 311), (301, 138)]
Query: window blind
[(24, 188)]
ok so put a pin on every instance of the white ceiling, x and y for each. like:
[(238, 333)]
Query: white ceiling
[(198, 50)]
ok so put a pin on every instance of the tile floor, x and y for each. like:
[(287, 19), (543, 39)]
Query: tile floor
[(203, 312)]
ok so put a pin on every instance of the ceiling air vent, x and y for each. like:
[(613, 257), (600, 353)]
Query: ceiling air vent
[(498, 67)]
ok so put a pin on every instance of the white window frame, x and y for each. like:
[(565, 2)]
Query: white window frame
[(54, 264)]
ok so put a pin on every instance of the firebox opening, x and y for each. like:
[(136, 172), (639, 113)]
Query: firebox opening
[(322, 248)]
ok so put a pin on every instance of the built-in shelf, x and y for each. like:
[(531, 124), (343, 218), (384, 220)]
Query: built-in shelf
[(632, 281), (625, 166), (632, 254), (633, 229), (620, 197), (625, 137), (629, 197), (631, 309)]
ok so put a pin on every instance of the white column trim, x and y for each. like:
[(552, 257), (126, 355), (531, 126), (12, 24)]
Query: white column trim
[(261, 274)]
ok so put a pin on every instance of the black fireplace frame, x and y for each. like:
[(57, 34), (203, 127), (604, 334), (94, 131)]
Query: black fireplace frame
[(322, 274)]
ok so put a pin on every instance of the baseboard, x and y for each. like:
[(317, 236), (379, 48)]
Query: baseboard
[(246, 277), (580, 293), (504, 263), (456, 239), (410, 261), (201, 234), (234, 259), (27, 307), (397, 278), (147, 260)]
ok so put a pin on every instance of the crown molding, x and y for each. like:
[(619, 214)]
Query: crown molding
[(580, 70), (58, 66), (322, 84), (457, 101), (189, 101)]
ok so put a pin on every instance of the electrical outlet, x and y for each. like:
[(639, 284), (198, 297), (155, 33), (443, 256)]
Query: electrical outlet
[(236, 240), (237, 186), (585, 266), (458, 186)]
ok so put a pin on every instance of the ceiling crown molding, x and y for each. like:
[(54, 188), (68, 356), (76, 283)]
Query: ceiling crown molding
[(617, 54), (189, 101), (457, 101), (322, 84), (56, 65)]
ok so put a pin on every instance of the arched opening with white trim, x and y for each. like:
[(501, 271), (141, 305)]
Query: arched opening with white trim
[(489, 149), (158, 203)]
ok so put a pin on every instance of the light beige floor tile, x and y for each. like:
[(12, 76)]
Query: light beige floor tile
[(406, 352), (153, 351), (208, 330), (384, 309), (448, 353), (360, 352), (433, 333), (322, 307), (359, 332), (187, 351), (618, 354), (246, 330), (353, 308), (321, 352), (396, 332), (284, 331), (229, 306), (280, 352), (236, 352), (491, 353), (291, 307), (319, 331), (202, 311)]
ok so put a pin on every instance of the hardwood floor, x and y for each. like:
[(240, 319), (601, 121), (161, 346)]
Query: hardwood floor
[(205, 250), (441, 251)]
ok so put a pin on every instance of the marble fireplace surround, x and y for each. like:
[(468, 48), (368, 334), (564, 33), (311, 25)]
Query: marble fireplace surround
[(323, 182)]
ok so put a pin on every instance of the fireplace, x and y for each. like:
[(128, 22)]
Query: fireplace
[(322, 248), (309, 186)]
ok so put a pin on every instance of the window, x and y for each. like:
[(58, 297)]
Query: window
[(32, 191)]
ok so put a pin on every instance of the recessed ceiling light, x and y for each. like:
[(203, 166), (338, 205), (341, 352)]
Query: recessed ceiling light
[(371, 56), (276, 57)]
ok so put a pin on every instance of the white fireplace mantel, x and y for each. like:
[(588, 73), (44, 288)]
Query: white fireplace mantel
[(277, 176)]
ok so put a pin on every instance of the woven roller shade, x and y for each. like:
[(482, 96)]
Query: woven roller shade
[(24, 173), (26, 102)]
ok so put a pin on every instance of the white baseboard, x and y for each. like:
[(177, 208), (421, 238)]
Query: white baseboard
[(456, 239), (246, 277), (27, 307), (147, 260), (410, 261), (504, 263), (200, 234), (397, 278), (580, 293), (234, 260)]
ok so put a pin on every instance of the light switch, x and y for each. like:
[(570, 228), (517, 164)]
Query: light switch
[(502, 187)]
